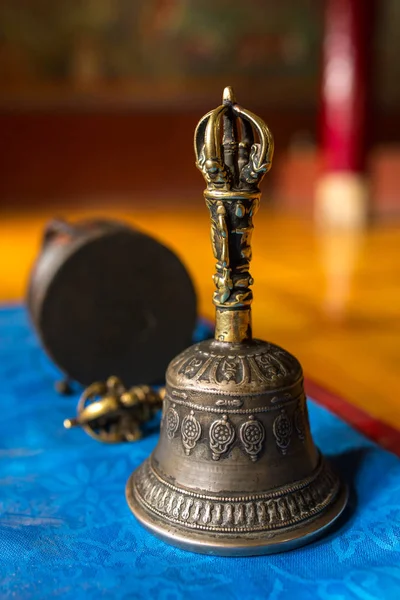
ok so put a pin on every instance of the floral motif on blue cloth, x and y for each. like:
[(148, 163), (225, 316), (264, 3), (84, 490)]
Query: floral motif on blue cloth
[(66, 530)]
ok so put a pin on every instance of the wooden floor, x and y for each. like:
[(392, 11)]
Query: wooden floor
[(333, 300)]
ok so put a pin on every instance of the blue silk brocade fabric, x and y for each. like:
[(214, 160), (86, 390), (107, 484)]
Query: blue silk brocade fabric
[(66, 530)]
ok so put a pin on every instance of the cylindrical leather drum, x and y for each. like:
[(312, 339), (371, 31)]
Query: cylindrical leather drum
[(106, 299)]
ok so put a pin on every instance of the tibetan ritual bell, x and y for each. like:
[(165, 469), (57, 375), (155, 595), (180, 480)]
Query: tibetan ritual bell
[(102, 298), (235, 471)]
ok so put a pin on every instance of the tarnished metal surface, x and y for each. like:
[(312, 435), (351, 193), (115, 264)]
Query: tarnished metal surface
[(235, 471)]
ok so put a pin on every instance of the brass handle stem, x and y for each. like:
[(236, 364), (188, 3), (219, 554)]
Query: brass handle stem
[(233, 169)]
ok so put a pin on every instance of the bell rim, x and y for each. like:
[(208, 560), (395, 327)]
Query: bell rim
[(261, 543)]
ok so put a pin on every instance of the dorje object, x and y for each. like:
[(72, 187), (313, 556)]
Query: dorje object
[(108, 412), (235, 471), (107, 299)]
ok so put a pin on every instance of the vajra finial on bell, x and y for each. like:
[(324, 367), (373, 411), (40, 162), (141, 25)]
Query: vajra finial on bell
[(234, 150), (235, 471)]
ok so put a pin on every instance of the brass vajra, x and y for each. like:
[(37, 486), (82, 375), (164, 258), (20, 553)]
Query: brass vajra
[(110, 413)]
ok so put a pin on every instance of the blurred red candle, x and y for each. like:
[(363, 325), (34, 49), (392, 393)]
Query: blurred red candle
[(346, 77)]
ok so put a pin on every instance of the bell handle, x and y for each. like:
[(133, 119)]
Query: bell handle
[(233, 164)]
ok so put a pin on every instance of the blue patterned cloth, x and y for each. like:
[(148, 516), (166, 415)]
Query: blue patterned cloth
[(66, 531)]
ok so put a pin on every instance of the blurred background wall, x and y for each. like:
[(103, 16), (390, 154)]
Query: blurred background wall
[(99, 98)]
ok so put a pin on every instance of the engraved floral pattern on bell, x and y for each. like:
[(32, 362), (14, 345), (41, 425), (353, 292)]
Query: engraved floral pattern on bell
[(222, 435), (192, 367), (282, 429), (207, 365), (252, 434), (172, 422), (271, 366), (230, 369), (191, 432), (249, 513)]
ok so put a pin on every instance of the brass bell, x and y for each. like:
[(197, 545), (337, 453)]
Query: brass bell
[(235, 471)]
